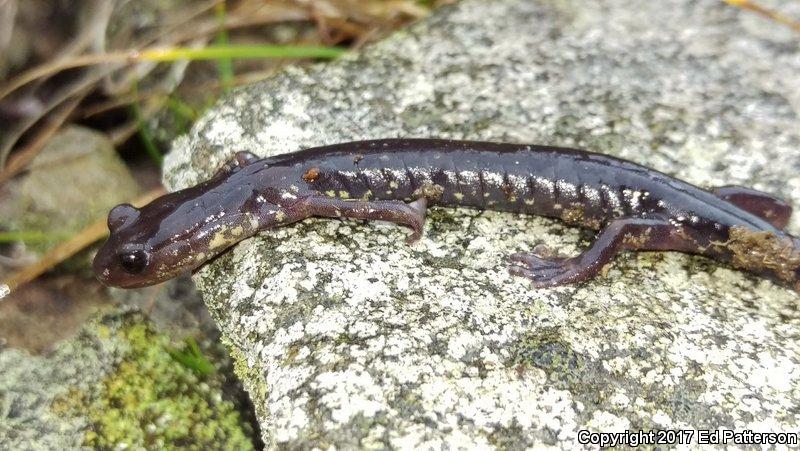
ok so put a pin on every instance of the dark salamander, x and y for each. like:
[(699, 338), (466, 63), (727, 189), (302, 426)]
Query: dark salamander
[(631, 207)]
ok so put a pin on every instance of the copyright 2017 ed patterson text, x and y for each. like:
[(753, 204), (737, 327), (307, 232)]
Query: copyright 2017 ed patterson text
[(686, 437)]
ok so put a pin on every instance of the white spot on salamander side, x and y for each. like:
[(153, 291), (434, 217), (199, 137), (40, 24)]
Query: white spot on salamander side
[(422, 175), (567, 190), (591, 194), (612, 198), (4, 291), (398, 175), (633, 198), (519, 183), (545, 184), (493, 179), (469, 178), (372, 175)]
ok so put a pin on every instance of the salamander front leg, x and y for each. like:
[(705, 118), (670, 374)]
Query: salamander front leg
[(621, 234), (409, 214)]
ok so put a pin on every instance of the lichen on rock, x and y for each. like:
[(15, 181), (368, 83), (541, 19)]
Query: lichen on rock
[(345, 336)]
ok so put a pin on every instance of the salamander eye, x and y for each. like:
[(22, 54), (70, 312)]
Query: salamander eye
[(133, 262)]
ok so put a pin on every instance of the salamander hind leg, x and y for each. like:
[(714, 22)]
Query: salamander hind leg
[(409, 214), (772, 209), (547, 270)]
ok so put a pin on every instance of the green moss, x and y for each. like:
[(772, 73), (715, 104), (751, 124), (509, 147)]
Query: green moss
[(566, 369), (151, 400), (253, 381), (545, 349)]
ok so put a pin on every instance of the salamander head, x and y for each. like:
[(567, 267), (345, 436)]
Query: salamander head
[(172, 235), (123, 261)]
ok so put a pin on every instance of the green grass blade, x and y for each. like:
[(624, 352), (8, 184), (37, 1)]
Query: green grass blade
[(144, 131), (182, 113), (224, 65), (30, 236), (241, 52), (191, 357)]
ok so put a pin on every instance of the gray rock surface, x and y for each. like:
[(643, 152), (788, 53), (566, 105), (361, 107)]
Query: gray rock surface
[(346, 336), (75, 179)]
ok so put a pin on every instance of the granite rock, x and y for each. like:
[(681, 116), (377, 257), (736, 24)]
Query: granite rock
[(345, 336)]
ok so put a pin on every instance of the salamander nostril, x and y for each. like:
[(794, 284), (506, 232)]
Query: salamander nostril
[(133, 262)]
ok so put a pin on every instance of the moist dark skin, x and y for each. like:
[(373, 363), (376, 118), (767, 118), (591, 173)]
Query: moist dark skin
[(632, 207)]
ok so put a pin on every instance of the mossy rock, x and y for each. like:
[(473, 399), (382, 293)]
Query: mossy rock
[(117, 385)]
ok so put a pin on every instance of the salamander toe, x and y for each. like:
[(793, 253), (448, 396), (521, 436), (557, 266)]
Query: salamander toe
[(542, 271)]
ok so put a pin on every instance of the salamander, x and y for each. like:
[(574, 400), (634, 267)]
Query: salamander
[(632, 207)]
